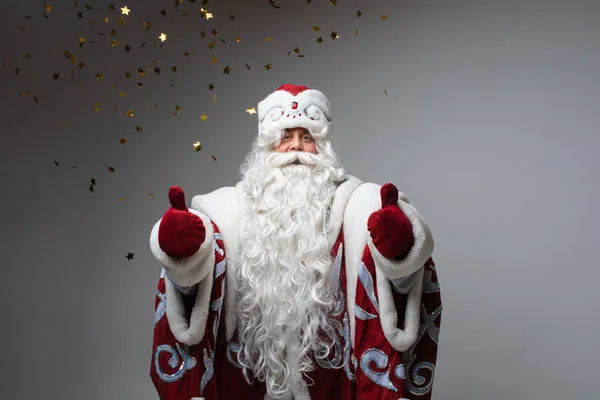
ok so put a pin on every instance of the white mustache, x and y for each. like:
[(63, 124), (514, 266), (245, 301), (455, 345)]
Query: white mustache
[(276, 160)]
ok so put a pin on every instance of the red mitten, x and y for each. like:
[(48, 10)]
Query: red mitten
[(180, 233), (390, 229)]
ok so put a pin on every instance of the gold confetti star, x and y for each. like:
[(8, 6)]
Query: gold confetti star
[(186, 54), (214, 32), (320, 39), (204, 117), (125, 10), (214, 98), (122, 199), (130, 113), (99, 76), (106, 19), (359, 14), (139, 129), (238, 39), (334, 35), (25, 93), (141, 72), (177, 108), (333, 2), (127, 75), (226, 69), (268, 66), (162, 37), (269, 39), (251, 110), (384, 17), (197, 146), (81, 65), (82, 40), (114, 43), (157, 70), (47, 7), (123, 141), (173, 68), (211, 44), (111, 169), (316, 28), (147, 25), (113, 32)]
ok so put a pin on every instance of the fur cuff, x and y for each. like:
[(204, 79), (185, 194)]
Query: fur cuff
[(191, 332), (400, 339), (187, 271), (418, 254)]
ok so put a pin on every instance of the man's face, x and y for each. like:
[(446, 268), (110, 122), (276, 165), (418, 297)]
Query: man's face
[(297, 139)]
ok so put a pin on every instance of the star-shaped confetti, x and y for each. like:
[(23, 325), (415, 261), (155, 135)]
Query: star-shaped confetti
[(99, 76), (127, 48), (384, 17), (17, 70), (334, 35), (320, 39), (162, 37), (139, 128), (251, 110), (316, 28), (173, 68), (130, 113), (211, 87), (125, 10), (177, 108), (112, 7), (226, 69), (204, 117), (359, 14), (268, 66), (147, 25), (129, 256), (123, 141), (111, 169), (55, 76), (197, 146), (163, 12)]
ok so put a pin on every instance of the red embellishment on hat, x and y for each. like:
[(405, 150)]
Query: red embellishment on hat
[(293, 89), (294, 105)]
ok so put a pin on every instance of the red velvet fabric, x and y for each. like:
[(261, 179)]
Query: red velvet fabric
[(180, 233), (293, 89), (390, 229)]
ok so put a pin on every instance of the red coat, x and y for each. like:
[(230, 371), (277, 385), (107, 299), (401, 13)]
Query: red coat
[(368, 369)]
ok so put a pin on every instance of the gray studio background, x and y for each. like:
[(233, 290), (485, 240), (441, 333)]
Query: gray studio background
[(490, 125)]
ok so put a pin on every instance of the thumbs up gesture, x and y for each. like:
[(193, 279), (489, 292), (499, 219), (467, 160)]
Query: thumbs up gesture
[(180, 233), (390, 229)]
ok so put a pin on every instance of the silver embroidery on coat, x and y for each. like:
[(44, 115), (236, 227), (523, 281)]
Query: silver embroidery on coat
[(187, 362), (381, 361)]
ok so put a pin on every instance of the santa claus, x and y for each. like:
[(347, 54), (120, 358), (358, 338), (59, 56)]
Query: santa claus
[(301, 282)]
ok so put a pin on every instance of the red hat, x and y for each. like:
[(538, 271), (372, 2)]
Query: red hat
[(292, 106)]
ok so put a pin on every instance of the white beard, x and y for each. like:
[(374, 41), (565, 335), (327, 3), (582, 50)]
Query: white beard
[(283, 278)]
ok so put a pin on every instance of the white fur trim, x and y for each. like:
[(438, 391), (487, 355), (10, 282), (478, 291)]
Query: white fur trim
[(275, 112), (336, 216), (400, 339), (223, 206), (191, 332), (188, 271)]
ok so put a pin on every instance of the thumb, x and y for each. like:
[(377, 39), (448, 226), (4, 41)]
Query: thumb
[(389, 195), (177, 198)]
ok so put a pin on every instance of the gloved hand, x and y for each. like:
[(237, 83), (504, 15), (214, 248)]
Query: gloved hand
[(390, 229), (180, 233)]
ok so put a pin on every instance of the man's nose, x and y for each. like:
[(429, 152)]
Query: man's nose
[(296, 144)]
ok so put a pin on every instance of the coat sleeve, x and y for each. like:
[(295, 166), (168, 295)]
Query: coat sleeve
[(185, 332)]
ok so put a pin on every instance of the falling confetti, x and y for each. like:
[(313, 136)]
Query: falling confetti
[(197, 146), (272, 3), (316, 28), (129, 256), (320, 39), (99, 77), (384, 17), (214, 158), (211, 87), (334, 35), (251, 110), (123, 141), (130, 113), (269, 39), (121, 199), (125, 10), (111, 169), (204, 117), (162, 37), (139, 129), (359, 14), (268, 66), (226, 69)]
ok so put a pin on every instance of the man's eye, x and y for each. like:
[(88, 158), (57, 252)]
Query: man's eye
[(308, 138)]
